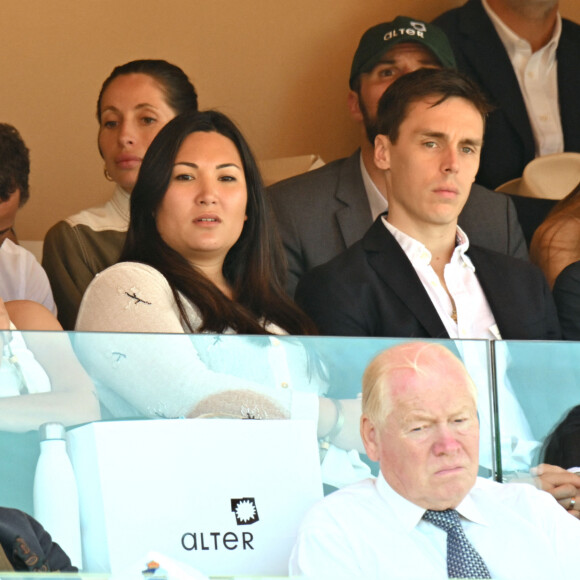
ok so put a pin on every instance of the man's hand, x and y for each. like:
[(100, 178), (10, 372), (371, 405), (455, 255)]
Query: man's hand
[(562, 484)]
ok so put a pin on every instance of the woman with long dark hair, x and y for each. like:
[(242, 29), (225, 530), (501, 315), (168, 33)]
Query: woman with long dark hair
[(245, 292), (202, 256)]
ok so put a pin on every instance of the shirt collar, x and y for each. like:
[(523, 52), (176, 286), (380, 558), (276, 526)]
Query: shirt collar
[(469, 509), (418, 253), (121, 202), (512, 42), (410, 515)]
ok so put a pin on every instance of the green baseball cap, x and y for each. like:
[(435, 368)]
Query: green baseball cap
[(382, 37)]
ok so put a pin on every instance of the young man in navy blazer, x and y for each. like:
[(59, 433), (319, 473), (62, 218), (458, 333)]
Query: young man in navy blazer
[(414, 273)]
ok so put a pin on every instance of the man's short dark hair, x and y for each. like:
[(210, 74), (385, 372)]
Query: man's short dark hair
[(14, 164), (442, 84)]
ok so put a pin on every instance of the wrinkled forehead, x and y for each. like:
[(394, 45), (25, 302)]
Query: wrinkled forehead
[(426, 372), (409, 382)]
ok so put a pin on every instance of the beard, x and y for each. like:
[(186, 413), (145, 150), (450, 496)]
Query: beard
[(370, 121)]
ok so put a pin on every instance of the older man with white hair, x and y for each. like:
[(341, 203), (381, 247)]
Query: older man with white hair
[(428, 515)]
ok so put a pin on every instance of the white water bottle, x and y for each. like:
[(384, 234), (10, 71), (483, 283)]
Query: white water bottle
[(56, 500)]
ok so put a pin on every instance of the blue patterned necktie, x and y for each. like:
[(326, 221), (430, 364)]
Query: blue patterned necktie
[(463, 561)]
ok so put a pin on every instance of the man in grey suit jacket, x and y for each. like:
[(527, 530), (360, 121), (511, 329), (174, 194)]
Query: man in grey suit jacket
[(323, 212), (415, 272)]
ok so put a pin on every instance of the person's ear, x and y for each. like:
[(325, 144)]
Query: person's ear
[(382, 152), (354, 106), (370, 437)]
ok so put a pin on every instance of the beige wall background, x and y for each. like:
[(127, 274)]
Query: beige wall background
[(279, 69)]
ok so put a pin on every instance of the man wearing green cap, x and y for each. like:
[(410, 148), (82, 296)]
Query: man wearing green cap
[(323, 212)]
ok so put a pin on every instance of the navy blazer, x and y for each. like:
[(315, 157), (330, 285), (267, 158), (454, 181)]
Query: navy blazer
[(509, 141), (372, 289)]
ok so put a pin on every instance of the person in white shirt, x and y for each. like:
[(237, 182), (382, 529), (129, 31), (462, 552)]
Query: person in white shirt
[(21, 276), (420, 423), (526, 58)]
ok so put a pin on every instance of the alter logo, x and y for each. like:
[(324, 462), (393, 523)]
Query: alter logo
[(245, 511), (418, 29)]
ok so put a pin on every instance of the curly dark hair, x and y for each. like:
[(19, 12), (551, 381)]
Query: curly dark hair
[(14, 164)]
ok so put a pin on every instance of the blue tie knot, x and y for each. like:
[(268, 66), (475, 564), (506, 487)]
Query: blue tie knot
[(446, 519)]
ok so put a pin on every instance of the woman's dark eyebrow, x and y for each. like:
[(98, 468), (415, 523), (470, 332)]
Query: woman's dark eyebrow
[(195, 166)]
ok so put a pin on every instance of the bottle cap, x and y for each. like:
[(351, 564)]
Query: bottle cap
[(51, 431)]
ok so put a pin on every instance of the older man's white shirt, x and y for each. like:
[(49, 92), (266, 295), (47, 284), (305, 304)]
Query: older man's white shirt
[(367, 530)]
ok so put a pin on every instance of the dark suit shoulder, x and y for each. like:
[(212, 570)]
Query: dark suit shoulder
[(570, 30), (318, 182), (345, 265), (483, 194), (490, 220), (480, 204), (518, 295), (331, 295), (477, 252), (567, 298), (450, 20)]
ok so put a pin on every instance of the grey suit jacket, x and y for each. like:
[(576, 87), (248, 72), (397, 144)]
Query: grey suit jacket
[(323, 212), (372, 289)]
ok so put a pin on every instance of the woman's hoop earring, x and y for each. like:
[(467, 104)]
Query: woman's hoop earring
[(107, 176)]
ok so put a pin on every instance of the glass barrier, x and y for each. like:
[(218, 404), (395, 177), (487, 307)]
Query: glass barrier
[(538, 385), (123, 398)]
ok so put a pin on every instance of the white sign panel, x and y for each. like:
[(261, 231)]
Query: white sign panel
[(223, 496)]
